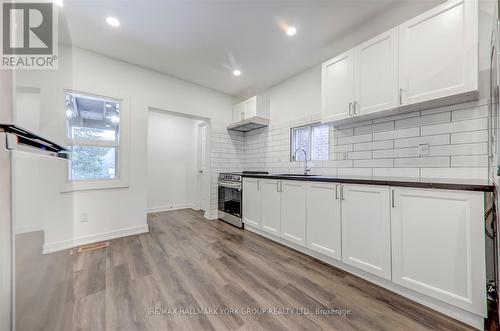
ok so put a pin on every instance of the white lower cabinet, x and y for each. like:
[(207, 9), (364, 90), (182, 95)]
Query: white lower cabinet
[(438, 245), (427, 240), (270, 206), (293, 211), (251, 201), (323, 219), (366, 228)]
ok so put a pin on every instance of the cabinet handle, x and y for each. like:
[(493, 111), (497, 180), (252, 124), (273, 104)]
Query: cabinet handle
[(400, 96), (356, 108), (392, 199), (336, 192), (350, 108), (341, 192)]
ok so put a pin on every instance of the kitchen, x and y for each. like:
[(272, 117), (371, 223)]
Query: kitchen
[(345, 164)]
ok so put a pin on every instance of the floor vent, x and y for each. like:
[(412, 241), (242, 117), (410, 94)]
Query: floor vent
[(93, 247)]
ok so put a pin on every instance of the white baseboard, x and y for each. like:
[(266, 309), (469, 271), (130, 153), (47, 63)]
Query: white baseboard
[(172, 207), (94, 238), (459, 314), (29, 228)]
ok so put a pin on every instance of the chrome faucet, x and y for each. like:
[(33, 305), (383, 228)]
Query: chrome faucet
[(306, 169)]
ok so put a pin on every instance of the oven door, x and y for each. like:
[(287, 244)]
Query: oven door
[(229, 203)]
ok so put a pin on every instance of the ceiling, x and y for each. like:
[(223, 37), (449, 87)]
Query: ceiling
[(203, 41)]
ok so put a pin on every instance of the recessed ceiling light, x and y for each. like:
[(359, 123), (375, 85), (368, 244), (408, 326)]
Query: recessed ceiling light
[(291, 31), (237, 72), (113, 21)]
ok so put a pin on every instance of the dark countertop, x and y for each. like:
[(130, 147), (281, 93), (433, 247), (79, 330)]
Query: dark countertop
[(445, 184)]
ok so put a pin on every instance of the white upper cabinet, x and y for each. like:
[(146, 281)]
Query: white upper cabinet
[(250, 108), (376, 74), (270, 206), (255, 106), (366, 228), (251, 202), (439, 52), (293, 211), (438, 245), (432, 56), (337, 87), (238, 112), (323, 219), (363, 80)]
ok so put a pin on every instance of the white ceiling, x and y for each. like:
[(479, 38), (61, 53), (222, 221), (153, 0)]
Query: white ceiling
[(203, 41)]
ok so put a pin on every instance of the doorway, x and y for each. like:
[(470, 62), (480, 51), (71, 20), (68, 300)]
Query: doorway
[(178, 169)]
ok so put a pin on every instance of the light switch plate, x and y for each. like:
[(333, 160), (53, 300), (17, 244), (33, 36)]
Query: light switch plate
[(423, 149)]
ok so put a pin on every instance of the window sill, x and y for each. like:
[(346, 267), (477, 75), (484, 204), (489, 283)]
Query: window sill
[(94, 185)]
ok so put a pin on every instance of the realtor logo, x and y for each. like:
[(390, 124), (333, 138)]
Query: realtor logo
[(29, 35)]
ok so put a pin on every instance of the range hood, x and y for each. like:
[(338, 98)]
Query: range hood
[(249, 124)]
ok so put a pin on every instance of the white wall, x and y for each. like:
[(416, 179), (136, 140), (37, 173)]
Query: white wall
[(118, 211), (296, 97), (172, 162)]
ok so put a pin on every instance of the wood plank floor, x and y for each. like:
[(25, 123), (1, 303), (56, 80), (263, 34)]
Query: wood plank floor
[(205, 268)]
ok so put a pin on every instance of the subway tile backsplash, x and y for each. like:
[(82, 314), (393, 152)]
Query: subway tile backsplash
[(457, 139)]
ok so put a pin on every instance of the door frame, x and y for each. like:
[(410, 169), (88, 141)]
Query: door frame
[(203, 199)]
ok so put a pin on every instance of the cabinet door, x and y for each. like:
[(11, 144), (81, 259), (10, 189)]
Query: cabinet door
[(270, 204), (323, 219), (251, 202), (251, 107), (438, 245), (439, 52), (238, 112), (337, 87), (293, 211), (366, 232), (376, 74)]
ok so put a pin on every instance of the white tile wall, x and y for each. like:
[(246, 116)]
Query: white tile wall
[(227, 155), (457, 137)]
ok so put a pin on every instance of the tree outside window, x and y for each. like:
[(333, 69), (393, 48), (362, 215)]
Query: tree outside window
[(93, 131)]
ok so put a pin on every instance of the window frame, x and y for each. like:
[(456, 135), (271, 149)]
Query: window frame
[(121, 145), (310, 126)]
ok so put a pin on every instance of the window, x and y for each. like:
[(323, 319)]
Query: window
[(93, 131), (313, 139)]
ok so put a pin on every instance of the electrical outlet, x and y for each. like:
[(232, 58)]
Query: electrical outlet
[(84, 217), (423, 149), (344, 156)]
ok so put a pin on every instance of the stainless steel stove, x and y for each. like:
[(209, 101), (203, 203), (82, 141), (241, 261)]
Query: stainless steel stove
[(230, 197)]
